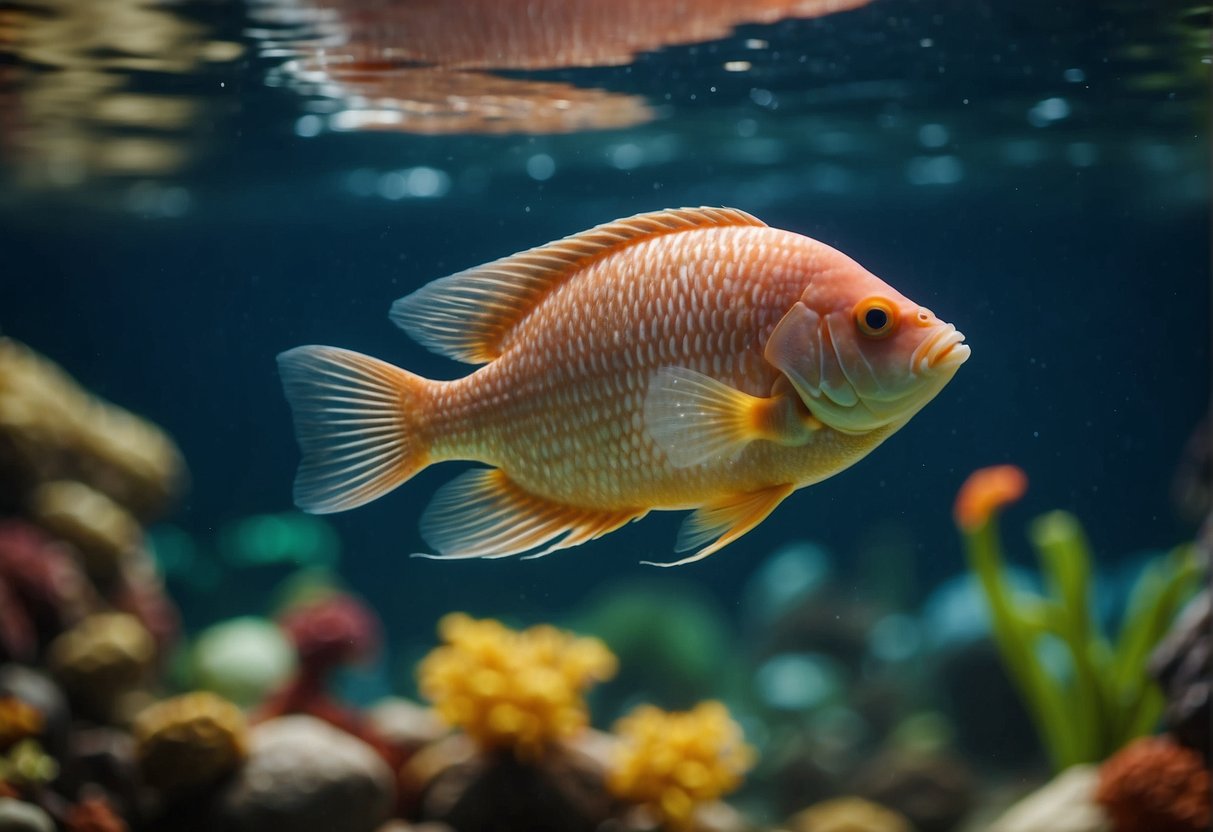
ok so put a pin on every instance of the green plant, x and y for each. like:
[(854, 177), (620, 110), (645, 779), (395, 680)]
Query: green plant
[(1092, 696)]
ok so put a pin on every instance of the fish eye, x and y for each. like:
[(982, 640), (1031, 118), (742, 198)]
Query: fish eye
[(876, 317)]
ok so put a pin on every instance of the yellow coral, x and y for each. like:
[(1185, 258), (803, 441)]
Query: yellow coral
[(673, 762), (508, 689), (18, 721)]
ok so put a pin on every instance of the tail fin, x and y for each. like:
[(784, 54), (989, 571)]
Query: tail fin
[(355, 419)]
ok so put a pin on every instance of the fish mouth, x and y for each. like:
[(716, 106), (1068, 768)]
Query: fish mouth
[(945, 350)]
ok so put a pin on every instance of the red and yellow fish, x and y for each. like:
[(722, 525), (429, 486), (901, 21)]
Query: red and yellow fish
[(683, 359)]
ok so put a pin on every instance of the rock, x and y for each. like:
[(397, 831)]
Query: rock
[(189, 742), (934, 791), (306, 776), (848, 814), (405, 725), (18, 816), (101, 660), (1066, 804), (1183, 666), (243, 659)]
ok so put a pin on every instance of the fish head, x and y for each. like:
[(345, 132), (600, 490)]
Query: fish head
[(861, 355)]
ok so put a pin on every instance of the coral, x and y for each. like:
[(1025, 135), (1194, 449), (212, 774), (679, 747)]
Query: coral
[(27, 766), (42, 695), (1154, 785), (18, 721), (331, 631), (50, 428), (104, 657), (46, 588), (189, 742), (104, 533), (328, 629), (673, 762), (848, 814), (306, 776), (516, 690), (94, 814), (1104, 697)]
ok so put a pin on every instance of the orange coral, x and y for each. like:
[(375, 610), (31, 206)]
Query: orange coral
[(985, 492), (18, 721), (673, 762), (521, 691), (1155, 785), (94, 814)]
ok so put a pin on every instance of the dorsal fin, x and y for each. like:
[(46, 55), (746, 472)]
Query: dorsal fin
[(465, 315)]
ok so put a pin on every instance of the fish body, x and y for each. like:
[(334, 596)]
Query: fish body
[(692, 358)]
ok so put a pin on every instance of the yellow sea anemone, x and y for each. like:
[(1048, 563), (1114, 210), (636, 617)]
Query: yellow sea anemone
[(673, 762), (507, 689), (18, 721)]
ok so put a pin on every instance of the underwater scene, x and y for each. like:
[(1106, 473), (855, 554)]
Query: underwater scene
[(605, 416)]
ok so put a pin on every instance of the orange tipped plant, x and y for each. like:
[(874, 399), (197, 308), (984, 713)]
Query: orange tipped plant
[(1100, 697)]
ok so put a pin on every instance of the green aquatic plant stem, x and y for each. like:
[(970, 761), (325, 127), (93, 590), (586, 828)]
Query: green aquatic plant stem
[(1102, 697), (1066, 561), (1015, 635)]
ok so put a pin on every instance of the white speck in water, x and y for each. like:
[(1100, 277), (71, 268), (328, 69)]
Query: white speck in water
[(1074, 75), (756, 43), (1045, 112), (933, 135), (541, 167), (308, 126), (737, 66), (926, 43)]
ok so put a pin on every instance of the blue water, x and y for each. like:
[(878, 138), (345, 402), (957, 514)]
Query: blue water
[(174, 215)]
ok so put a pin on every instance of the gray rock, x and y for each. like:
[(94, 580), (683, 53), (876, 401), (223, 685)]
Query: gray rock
[(18, 816), (306, 776), (1065, 804)]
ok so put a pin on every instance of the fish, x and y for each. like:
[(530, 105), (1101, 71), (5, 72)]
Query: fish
[(690, 358)]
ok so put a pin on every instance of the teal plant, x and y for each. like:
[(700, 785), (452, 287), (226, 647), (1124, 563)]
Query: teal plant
[(1088, 693)]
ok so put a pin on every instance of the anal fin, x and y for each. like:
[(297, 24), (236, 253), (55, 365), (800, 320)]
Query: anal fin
[(721, 522), (484, 514)]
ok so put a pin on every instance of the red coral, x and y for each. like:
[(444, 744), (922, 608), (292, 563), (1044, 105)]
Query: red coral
[(1154, 785), (94, 814), (332, 631), (335, 630), (43, 583)]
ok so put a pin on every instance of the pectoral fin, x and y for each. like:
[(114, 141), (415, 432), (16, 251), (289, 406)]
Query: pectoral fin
[(720, 523), (695, 418)]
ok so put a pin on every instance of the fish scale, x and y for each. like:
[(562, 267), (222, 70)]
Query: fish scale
[(690, 358)]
